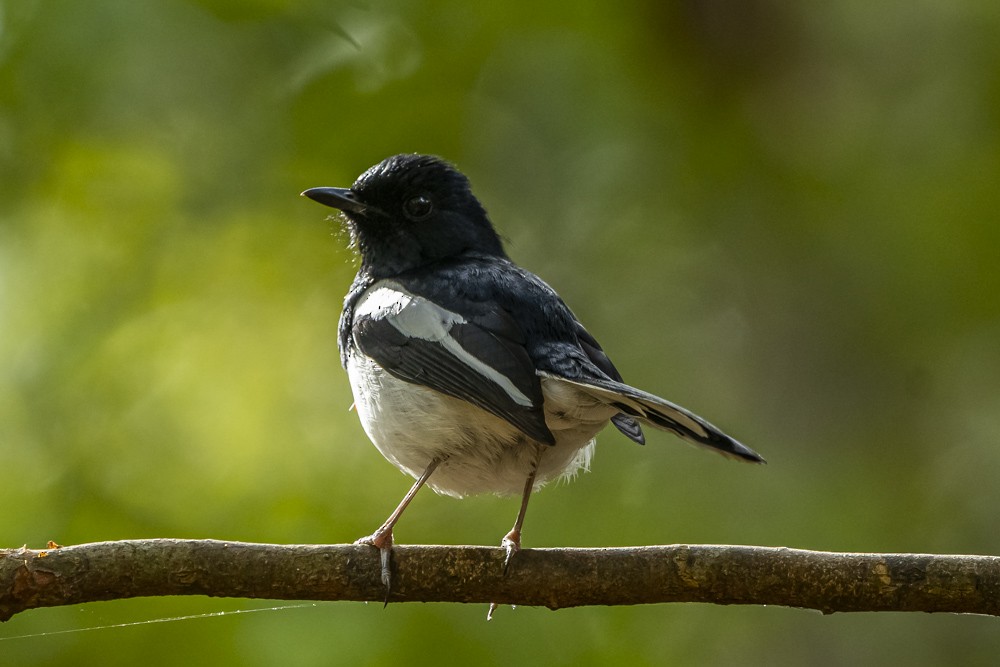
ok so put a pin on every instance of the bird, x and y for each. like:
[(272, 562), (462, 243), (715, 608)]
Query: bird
[(469, 372)]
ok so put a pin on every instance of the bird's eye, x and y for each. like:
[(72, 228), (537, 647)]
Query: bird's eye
[(418, 208)]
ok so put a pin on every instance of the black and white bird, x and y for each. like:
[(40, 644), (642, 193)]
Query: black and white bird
[(470, 373)]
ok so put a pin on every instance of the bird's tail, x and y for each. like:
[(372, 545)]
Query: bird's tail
[(664, 415)]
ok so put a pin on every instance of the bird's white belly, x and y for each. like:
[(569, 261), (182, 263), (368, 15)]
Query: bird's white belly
[(411, 425)]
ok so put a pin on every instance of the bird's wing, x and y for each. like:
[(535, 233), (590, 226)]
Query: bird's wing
[(463, 349), (657, 412)]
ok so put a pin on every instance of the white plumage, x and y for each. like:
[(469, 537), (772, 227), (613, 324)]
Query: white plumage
[(411, 425)]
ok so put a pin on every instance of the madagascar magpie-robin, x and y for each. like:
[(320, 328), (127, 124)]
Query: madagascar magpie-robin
[(470, 373)]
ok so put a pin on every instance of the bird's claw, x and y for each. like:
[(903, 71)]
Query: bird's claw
[(382, 540), (512, 544)]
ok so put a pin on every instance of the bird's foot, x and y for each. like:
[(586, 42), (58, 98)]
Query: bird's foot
[(381, 539), (512, 544)]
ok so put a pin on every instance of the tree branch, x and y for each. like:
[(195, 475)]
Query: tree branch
[(553, 578)]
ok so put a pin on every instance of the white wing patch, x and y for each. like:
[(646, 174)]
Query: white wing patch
[(416, 317)]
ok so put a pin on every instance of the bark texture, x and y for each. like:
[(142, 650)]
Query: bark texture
[(553, 578)]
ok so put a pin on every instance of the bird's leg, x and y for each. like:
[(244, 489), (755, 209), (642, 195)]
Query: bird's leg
[(381, 539), (512, 540)]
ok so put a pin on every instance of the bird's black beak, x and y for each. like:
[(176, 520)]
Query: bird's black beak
[(342, 199)]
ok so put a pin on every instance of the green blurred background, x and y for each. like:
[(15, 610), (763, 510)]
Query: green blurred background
[(781, 216)]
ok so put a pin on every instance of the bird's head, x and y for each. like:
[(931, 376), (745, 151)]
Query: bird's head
[(411, 210)]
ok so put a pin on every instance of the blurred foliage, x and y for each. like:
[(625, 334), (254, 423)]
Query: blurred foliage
[(781, 216)]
